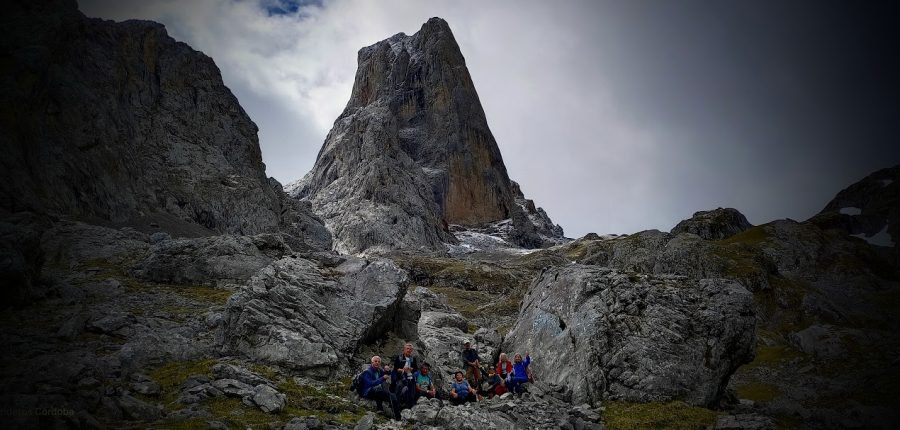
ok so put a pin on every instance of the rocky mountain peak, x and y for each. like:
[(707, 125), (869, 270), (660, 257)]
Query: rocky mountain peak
[(412, 152), (81, 114), (716, 224)]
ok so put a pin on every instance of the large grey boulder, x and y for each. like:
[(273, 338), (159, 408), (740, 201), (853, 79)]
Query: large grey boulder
[(120, 123), (611, 335), (716, 224), (442, 335), (412, 153), (297, 315), (268, 399)]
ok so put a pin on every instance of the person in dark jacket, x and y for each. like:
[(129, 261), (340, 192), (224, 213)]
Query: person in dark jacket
[(373, 382), (495, 385), (404, 379), (472, 364), (519, 374)]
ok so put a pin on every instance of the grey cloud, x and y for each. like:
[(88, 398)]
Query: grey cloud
[(614, 116)]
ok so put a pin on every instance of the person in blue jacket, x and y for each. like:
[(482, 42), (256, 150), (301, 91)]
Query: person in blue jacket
[(460, 391), (519, 374), (375, 387)]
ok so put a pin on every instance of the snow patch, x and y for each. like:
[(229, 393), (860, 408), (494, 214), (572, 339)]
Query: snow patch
[(886, 182), (474, 241), (852, 211), (882, 238)]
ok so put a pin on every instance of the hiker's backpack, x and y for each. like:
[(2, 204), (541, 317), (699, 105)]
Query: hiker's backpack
[(356, 384)]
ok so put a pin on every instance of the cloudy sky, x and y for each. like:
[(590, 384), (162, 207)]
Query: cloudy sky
[(614, 116)]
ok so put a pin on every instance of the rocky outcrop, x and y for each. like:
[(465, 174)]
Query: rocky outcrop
[(716, 224), (412, 153), (442, 335), (549, 409), (121, 124), (298, 315), (868, 209), (208, 260), (611, 335)]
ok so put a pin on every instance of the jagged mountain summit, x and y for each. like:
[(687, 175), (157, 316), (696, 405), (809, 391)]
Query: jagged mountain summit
[(412, 154)]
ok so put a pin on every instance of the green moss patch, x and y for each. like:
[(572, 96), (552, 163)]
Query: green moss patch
[(672, 415), (330, 399), (575, 251), (330, 402), (751, 236), (464, 274), (757, 391), (236, 414), (264, 371), (772, 356), (202, 293), (170, 376), (779, 304), (101, 269), (472, 304)]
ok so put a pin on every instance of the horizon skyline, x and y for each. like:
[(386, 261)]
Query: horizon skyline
[(661, 155)]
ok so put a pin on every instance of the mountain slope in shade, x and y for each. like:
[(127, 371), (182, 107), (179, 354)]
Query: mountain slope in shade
[(119, 123)]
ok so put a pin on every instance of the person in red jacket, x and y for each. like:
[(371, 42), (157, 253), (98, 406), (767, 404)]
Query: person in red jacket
[(504, 366)]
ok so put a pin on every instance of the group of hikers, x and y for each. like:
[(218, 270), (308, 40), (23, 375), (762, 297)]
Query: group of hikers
[(406, 381)]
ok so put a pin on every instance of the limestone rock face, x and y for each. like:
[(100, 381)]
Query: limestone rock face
[(412, 152), (716, 224), (120, 123), (209, 259), (295, 314), (610, 335)]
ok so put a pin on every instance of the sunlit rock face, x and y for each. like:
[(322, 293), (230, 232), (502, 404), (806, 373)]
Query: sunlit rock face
[(412, 152)]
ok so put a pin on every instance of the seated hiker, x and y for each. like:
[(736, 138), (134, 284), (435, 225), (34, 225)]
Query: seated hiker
[(504, 366), (495, 386), (424, 384), (472, 364), (404, 382), (519, 374), (460, 391), (373, 387)]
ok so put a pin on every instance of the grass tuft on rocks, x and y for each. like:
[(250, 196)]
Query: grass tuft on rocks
[(757, 391), (751, 236), (171, 375), (672, 415), (772, 356)]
